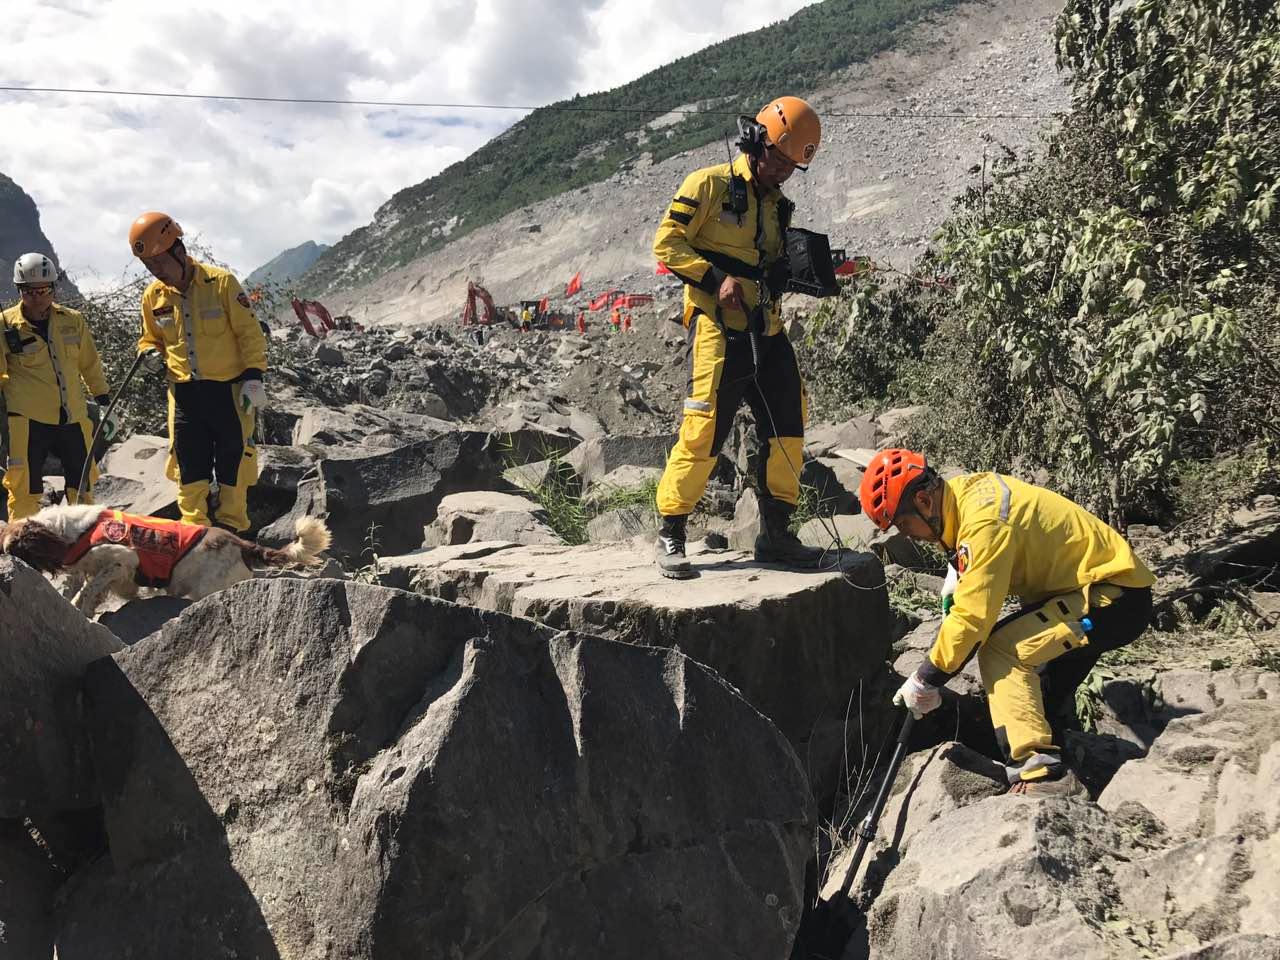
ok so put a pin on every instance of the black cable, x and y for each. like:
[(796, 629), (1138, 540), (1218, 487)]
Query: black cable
[(559, 108)]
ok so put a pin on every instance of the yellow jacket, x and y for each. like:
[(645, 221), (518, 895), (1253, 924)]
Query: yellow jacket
[(207, 333), (701, 242), (1012, 537), (41, 379)]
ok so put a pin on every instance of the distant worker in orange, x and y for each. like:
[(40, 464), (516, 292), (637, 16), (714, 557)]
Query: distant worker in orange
[(615, 319), (582, 322), (626, 322)]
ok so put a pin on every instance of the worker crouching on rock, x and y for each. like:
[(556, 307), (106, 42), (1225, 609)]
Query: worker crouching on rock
[(47, 354), (723, 235), (199, 328), (1084, 592)]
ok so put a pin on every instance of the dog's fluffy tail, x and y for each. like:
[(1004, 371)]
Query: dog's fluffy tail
[(313, 540)]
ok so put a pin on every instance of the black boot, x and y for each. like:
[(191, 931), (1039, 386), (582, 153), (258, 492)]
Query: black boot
[(777, 544), (669, 551)]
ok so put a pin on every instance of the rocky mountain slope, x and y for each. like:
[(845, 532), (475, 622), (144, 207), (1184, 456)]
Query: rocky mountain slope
[(20, 233), (587, 139), (880, 186), (285, 267)]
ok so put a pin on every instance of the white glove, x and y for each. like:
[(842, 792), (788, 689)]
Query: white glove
[(918, 697), (153, 361), (253, 395)]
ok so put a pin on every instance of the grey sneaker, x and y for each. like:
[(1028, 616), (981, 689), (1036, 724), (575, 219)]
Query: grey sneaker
[(669, 550)]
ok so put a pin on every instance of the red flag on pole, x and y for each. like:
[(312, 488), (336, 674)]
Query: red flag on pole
[(543, 304), (574, 285), (662, 268)]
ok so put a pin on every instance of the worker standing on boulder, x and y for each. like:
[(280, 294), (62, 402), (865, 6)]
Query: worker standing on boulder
[(198, 327), (47, 354), (1084, 592), (723, 235)]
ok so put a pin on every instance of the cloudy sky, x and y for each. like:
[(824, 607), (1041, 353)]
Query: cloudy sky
[(254, 179)]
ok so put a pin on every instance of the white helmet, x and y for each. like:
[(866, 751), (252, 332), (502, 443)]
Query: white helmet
[(34, 268)]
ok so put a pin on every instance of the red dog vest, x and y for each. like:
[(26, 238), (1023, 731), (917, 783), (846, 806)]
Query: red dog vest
[(159, 544)]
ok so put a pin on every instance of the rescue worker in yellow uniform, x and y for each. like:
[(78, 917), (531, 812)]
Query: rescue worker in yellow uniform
[(198, 327), (1084, 592), (47, 354), (723, 235)]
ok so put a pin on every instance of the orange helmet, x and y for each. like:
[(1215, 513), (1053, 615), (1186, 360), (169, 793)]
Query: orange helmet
[(793, 127), (153, 233), (886, 479)]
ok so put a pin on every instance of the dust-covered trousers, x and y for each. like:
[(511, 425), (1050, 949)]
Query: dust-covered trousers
[(30, 443), (211, 437), (721, 375), (1036, 658)]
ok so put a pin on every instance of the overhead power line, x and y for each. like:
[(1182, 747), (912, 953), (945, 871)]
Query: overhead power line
[(561, 108)]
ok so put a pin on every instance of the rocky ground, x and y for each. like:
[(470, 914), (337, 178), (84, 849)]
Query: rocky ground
[(880, 187), (487, 728), (489, 702)]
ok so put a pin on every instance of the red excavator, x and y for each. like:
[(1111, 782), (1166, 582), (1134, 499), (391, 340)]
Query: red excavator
[(491, 315), (308, 311)]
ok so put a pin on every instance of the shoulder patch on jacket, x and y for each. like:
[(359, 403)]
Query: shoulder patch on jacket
[(963, 558), (243, 299)]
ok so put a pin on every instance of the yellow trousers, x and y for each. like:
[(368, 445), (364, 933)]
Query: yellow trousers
[(30, 443), (211, 437), (1011, 662), (721, 375)]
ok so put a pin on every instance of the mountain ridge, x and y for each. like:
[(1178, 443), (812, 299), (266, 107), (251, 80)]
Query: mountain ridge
[(583, 140), (882, 182), (20, 232), (288, 264)]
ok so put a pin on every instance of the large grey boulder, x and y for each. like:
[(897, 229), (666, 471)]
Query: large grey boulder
[(823, 439), (356, 424), (594, 459), (623, 523), (930, 784), (142, 616), (133, 478), (315, 769), (1247, 548), (1032, 863), (45, 646), (488, 515), (280, 470), (1177, 859), (834, 481), (380, 500), (798, 644), (627, 479), (27, 884), (552, 417)]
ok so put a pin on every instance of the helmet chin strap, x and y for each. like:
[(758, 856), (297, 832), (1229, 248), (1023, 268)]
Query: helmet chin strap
[(935, 523)]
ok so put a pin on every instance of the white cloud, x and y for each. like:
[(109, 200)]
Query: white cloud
[(253, 179)]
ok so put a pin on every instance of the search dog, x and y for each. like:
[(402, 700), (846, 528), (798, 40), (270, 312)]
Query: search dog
[(107, 551)]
